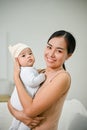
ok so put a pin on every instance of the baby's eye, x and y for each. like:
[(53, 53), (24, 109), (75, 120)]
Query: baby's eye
[(23, 55), (30, 53)]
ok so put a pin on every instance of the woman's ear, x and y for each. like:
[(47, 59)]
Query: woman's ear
[(68, 56)]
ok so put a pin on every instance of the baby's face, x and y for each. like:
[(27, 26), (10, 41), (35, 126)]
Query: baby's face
[(26, 58)]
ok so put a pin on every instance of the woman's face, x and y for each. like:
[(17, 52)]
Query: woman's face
[(56, 52)]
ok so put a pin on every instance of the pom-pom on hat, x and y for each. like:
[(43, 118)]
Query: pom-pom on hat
[(16, 49)]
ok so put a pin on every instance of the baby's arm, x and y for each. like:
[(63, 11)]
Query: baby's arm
[(31, 79), (36, 81)]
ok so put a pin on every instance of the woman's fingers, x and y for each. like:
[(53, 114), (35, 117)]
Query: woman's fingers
[(39, 118), (35, 122), (16, 64)]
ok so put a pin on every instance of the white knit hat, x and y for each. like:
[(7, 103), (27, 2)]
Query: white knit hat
[(16, 49)]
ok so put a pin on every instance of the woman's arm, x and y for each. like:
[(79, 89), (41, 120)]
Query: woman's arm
[(44, 99), (20, 115)]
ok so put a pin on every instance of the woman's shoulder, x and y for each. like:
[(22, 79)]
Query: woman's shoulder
[(64, 73), (62, 76), (62, 81)]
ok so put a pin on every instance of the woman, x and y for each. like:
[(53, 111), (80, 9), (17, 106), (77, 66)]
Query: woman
[(49, 99)]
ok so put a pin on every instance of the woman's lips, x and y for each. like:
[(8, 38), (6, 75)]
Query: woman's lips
[(50, 60)]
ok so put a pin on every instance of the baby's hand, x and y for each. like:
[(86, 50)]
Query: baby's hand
[(41, 70)]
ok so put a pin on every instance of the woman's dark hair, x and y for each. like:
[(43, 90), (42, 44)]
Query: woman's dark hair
[(70, 40)]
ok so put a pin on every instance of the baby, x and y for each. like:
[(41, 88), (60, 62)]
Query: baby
[(29, 76)]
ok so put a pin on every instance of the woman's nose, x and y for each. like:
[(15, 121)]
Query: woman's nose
[(52, 53)]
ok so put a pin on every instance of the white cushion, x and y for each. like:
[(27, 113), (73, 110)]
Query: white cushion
[(70, 109)]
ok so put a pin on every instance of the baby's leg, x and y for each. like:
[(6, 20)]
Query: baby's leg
[(23, 127), (15, 124)]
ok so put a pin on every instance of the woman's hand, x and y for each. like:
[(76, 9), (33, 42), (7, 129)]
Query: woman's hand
[(20, 115), (16, 68)]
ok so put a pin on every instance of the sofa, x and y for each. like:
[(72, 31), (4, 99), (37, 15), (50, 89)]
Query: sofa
[(73, 117)]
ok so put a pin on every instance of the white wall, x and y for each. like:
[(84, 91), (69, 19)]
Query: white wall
[(33, 22)]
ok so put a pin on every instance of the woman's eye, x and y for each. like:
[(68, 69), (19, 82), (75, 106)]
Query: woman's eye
[(49, 47), (59, 51)]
